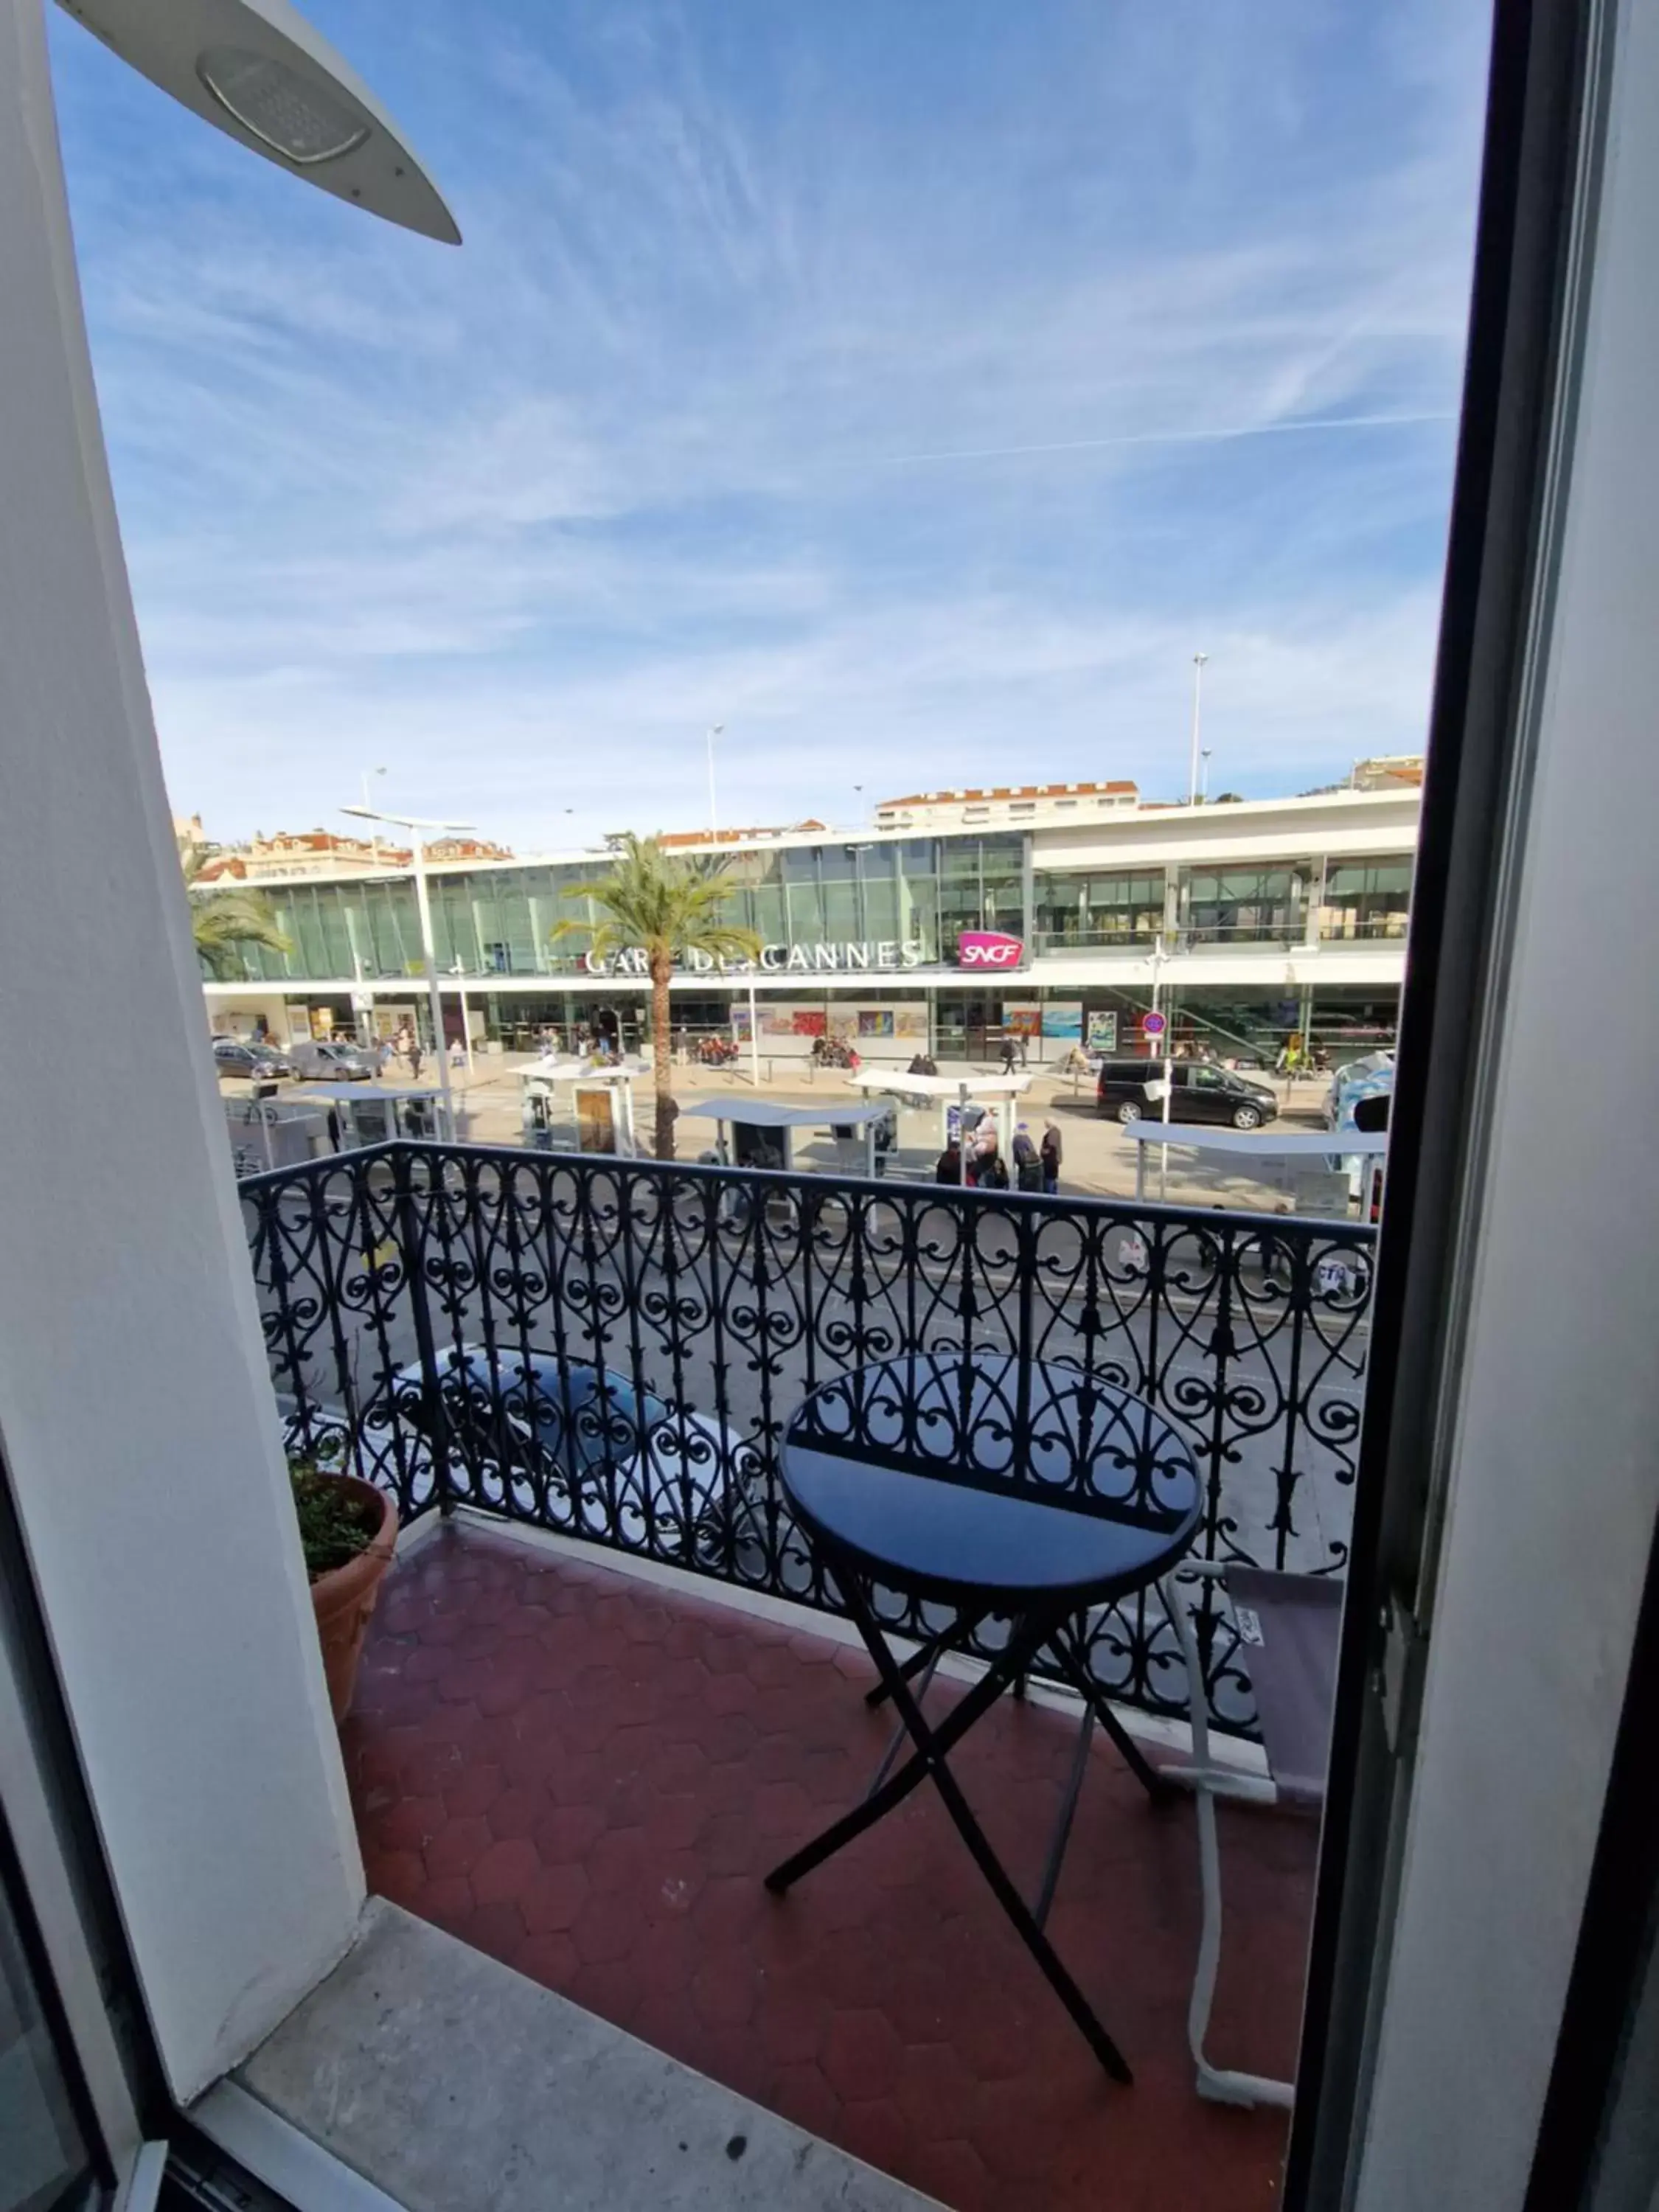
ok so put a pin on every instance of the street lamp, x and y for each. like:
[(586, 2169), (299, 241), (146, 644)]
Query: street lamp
[(256, 70), (714, 730), (414, 824), (363, 780), (1198, 659)]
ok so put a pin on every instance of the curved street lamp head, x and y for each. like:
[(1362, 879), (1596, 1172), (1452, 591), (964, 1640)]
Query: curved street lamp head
[(256, 70), (404, 821)]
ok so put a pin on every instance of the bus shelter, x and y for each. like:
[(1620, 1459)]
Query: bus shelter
[(372, 1114), (959, 1092), (601, 1104), (1309, 1167), (754, 1133)]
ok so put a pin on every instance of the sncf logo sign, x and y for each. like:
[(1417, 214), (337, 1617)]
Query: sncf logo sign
[(988, 948)]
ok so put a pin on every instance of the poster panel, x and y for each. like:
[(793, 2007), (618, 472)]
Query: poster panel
[(596, 1117)]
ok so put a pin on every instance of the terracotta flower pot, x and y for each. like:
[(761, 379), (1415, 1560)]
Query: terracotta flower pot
[(344, 1597)]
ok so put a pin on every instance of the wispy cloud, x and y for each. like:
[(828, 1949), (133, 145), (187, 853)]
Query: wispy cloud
[(1190, 437), (912, 392)]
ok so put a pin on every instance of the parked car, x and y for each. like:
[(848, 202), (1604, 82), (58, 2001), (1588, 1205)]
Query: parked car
[(1356, 1078), (231, 1056), (1203, 1092), (576, 1446), (333, 1063)]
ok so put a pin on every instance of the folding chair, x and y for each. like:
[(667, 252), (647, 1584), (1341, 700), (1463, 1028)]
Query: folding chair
[(1289, 1631)]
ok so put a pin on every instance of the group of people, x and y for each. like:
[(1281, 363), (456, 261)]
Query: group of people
[(404, 1045), (1036, 1167)]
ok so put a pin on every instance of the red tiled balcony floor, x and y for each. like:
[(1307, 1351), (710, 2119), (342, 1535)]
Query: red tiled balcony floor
[(587, 1777)]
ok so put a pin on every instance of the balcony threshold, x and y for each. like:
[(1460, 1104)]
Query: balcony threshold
[(1244, 1759), (422, 2074)]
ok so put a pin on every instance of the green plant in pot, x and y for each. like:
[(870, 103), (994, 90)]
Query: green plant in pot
[(348, 1529)]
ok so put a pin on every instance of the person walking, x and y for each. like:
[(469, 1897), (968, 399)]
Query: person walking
[(1049, 1157), (1027, 1168), (1009, 1051)]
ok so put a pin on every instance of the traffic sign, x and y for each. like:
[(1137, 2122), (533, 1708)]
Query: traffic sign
[(1152, 1025)]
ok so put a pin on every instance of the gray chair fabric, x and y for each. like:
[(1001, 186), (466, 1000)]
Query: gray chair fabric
[(1290, 1627)]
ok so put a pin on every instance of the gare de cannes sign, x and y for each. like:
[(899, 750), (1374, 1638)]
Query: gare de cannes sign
[(986, 950)]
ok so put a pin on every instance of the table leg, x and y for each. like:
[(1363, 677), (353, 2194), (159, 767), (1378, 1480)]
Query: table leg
[(915, 1768), (923, 1656), (1024, 1640), (1074, 1667)]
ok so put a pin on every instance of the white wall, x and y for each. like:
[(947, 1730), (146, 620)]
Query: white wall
[(1379, 962), (1556, 1449), (136, 1410), (1258, 830)]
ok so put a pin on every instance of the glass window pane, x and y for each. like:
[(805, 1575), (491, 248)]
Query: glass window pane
[(42, 2153)]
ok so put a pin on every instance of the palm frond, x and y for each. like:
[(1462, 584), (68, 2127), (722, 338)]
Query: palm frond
[(664, 904), (222, 921)]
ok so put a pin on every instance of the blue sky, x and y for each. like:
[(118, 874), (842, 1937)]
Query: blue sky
[(911, 385)]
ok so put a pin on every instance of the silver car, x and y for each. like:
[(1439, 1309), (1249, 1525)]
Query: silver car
[(333, 1063)]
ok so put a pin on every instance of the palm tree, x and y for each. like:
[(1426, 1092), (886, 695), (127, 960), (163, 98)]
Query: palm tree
[(666, 907), (221, 922)]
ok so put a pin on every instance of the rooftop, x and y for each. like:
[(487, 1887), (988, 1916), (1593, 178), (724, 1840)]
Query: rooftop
[(1008, 791), (585, 1774)]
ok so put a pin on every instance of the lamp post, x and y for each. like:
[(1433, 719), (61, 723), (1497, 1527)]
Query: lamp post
[(414, 825), (458, 970), (363, 780), (1198, 659), (714, 730)]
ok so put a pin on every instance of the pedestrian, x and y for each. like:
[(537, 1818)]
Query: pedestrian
[(991, 1173), (412, 1053), (387, 1054), (949, 1169), (457, 1053), (1008, 1052), (1027, 1168), (1049, 1157), (1022, 1041)]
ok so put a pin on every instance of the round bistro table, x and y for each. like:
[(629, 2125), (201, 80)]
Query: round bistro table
[(1024, 1492)]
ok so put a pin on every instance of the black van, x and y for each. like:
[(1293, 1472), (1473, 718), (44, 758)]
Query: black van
[(1203, 1092)]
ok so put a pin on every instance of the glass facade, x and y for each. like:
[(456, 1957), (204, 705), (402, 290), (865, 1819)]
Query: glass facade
[(1247, 905), (1074, 908), (499, 922), (1366, 898), (908, 898)]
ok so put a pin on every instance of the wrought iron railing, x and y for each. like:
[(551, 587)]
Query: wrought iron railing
[(610, 1349)]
